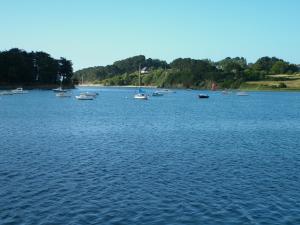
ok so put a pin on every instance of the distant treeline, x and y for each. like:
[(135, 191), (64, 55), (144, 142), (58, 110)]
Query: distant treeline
[(18, 67), (186, 72)]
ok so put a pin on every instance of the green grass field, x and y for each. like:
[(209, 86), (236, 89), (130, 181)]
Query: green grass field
[(291, 81)]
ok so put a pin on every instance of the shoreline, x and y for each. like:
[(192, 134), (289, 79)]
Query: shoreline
[(34, 86), (116, 86), (52, 86), (195, 89)]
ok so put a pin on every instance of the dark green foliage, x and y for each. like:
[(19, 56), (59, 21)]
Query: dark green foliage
[(20, 67), (190, 72), (16, 66), (267, 65), (65, 69), (232, 64), (120, 67), (130, 65), (156, 64)]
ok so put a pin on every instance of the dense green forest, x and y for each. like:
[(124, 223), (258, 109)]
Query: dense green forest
[(18, 67), (186, 72)]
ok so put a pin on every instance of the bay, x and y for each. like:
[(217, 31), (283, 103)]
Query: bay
[(174, 159)]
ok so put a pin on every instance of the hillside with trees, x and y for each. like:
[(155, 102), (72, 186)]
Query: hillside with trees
[(122, 67), (189, 73), (18, 67)]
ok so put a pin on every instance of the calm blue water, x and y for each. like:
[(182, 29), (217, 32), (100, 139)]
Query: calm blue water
[(170, 160)]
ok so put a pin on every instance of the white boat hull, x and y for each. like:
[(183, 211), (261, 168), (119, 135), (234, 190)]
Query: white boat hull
[(141, 97), (59, 90), (84, 97), (63, 95), (167, 91), (19, 91), (6, 93), (242, 94), (92, 94)]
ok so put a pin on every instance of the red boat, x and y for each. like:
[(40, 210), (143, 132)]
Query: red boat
[(214, 86)]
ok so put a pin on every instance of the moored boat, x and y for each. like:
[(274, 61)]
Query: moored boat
[(84, 97), (157, 93), (214, 86), (60, 89), (167, 91), (6, 93), (242, 93), (93, 94), (63, 95), (19, 91), (203, 96), (141, 96)]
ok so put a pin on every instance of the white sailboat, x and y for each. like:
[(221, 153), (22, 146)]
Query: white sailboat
[(141, 94), (60, 89)]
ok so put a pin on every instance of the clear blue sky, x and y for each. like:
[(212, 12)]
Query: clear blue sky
[(98, 32)]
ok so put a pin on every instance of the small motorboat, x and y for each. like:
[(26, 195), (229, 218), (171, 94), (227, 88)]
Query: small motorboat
[(84, 97), (203, 96), (157, 94), (167, 91), (60, 89), (242, 94), (93, 94), (63, 95), (6, 93), (141, 96), (19, 91)]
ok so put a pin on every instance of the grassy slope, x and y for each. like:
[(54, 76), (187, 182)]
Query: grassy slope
[(292, 82)]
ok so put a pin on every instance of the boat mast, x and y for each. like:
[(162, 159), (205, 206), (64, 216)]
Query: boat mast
[(140, 75), (61, 80)]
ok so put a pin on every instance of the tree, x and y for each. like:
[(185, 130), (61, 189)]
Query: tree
[(279, 67), (265, 64), (20, 67), (65, 69), (130, 64)]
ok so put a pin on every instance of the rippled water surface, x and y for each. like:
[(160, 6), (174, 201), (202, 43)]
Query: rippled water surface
[(174, 159)]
